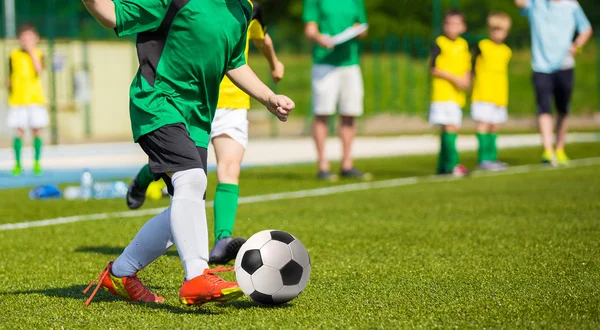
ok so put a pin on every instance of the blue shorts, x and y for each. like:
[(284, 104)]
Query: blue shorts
[(558, 86)]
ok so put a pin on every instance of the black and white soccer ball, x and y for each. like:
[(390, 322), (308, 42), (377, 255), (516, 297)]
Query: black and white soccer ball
[(272, 267)]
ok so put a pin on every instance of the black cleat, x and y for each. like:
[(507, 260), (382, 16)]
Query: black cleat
[(353, 173), (327, 176), (225, 250), (136, 196)]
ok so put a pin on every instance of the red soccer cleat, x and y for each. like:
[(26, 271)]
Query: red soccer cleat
[(209, 287), (129, 287)]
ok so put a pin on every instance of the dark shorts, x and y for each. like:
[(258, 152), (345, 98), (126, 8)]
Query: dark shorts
[(557, 86), (170, 149)]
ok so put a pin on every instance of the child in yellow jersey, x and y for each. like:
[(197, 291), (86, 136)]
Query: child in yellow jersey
[(490, 89), (451, 71), (27, 104)]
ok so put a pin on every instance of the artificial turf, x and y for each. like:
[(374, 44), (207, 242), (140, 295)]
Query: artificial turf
[(510, 251)]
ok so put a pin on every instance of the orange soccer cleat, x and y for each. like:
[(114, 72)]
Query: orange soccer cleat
[(209, 287), (129, 287)]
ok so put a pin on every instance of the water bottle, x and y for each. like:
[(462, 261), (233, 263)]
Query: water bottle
[(86, 185)]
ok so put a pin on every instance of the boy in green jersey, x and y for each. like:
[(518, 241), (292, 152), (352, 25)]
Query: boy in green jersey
[(185, 48)]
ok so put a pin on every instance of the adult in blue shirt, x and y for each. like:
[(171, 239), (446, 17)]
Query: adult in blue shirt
[(553, 47)]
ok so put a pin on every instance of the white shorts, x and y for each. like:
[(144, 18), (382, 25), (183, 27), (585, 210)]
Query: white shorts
[(488, 113), (233, 123), (26, 117), (445, 113), (334, 86)]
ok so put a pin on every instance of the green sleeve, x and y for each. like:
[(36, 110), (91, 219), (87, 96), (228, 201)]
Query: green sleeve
[(310, 12), (362, 12), (137, 16), (238, 58)]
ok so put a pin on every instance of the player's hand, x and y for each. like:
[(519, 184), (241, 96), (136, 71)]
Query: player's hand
[(325, 41), (574, 50), (278, 72), (462, 83), (280, 106)]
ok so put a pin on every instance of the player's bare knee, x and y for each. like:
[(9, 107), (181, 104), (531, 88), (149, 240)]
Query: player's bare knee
[(322, 119), (189, 184), (228, 171), (347, 120)]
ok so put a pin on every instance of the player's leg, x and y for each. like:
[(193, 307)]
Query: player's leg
[(562, 96), (483, 157), (448, 116), (325, 93), (544, 88), (229, 139), (18, 122), (17, 146), (481, 112), (453, 159), (351, 106), (38, 119), (500, 116), (136, 193)]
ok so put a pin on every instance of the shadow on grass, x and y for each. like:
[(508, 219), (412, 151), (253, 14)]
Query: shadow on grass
[(247, 304), (76, 292), (114, 250)]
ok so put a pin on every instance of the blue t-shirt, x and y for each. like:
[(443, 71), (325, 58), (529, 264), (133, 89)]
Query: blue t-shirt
[(553, 26)]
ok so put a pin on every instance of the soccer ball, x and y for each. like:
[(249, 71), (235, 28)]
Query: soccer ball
[(272, 267)]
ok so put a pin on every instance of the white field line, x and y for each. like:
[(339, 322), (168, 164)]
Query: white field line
[(302, 194)]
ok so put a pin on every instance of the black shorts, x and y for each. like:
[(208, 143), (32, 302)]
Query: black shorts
[(557, 86), (170, 149)]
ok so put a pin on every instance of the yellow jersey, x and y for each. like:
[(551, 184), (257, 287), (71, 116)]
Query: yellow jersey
[(491, 73), (453, 57), (25, 84), (231, 97)]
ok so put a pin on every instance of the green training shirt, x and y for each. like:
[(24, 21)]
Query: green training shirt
[(333, 17), (184, 47)]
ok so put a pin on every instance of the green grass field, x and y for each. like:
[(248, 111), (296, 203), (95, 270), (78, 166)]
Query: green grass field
[(517, 250), (395, 83)]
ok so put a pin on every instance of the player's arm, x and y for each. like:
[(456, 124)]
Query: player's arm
[(38, 63), (103, 11), (310, 16), (312, 33), (244, 78), (584, 30), (267, 49), (362, 19)]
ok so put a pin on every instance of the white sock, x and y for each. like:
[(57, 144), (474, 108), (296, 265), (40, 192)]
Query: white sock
[(188, 220), (150, 243)]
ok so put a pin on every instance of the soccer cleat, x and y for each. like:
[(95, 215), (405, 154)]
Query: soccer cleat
[(129, 287), (17, 170), (327, 176), (353, 173), (136, 196), (548, 158), (225, 250), (460, 171), (561, 158), (209, 287), (37, 168)]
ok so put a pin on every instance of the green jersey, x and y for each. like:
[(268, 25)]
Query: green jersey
[(333, 17), (185, 47)]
